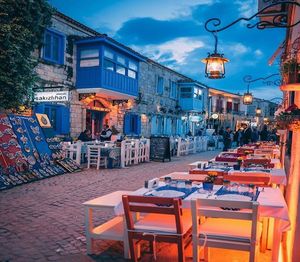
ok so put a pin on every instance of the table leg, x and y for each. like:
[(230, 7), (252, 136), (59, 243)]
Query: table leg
[(276, 240), (88, 229), (125, 240), (264, 237)]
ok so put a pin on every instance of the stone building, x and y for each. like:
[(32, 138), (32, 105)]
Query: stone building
[(88, 79)]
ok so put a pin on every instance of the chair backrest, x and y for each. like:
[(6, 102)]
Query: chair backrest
[(247, 210), (93, 150), (157, 205), (255, 179)]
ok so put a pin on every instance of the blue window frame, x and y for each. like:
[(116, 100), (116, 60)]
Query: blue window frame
[(160, 85), (120, 64), (132, 124), (54, 46), (173, 89)]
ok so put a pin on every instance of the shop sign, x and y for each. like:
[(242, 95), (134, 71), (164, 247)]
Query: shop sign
[(196, 118), (214, 116), (61, 96)]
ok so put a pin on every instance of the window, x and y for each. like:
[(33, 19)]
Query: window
[(89, 58), (108, 65), (54, 47), (173, 87), (132, 124), (108, 54), (197, 93), (120, 64), (236, 107), (219, 106), (132, 69), (186, 92), (131, 73), (121, 70), (121, 60), (132, 65), (160, 85), (229, 107)]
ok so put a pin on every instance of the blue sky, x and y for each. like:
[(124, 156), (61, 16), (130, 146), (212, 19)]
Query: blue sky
[(172, 33)]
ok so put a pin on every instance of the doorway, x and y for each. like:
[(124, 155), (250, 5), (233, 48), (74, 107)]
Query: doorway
[(95, 121)]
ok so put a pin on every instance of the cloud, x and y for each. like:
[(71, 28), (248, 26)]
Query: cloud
[(246, 8), (258, 53), (144, 31), (238, 49), (172, 52), (266, 92)]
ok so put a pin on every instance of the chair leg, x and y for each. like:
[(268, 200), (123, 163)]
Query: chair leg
[(181, 256), (133, 254), (252, 255), (206, 254), (195, 251)]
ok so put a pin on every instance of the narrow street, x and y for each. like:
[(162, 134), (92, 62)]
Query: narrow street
[(44, 221)]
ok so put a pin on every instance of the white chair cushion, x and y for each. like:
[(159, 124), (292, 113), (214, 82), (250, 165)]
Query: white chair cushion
[(228, 229), (159, 223)]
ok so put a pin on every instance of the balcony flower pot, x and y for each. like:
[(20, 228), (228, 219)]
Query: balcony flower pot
[(289, 119)]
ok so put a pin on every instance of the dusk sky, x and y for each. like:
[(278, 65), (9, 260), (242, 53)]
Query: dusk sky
[(172, 32)]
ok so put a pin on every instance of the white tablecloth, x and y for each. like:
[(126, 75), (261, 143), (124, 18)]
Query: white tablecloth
[(271, 204)]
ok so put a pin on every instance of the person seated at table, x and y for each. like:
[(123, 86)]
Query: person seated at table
[(227, 139), (264, 134), (106, 134), (85, 136)]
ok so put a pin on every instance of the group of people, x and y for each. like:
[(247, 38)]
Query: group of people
[(105, 135), (245, 135)]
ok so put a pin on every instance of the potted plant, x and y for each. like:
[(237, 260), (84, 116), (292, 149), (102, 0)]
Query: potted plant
[(289, 118), (290, 71), (208, 183)]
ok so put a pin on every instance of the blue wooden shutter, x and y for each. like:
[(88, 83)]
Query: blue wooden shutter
[(39, 108), (61, 50), (139, 125), (127, 123), (153, 126), (64, 123)]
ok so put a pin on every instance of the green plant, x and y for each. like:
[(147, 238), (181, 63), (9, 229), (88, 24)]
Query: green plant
[(22, 28), (289, 119), (211, 177)]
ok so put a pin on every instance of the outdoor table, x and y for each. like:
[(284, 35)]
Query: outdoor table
[(278, 176), (271, 205), (111, 230)]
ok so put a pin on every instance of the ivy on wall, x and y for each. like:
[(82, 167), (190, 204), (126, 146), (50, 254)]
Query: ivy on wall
[(21, 32)]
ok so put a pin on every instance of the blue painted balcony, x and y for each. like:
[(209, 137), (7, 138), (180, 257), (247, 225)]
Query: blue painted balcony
[(191, 97), (107, 67)]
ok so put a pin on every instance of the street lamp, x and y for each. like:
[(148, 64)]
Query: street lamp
[(215, 63), (247, 97), (258, 111)]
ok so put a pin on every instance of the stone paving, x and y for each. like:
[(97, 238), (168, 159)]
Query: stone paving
[(44, 220)]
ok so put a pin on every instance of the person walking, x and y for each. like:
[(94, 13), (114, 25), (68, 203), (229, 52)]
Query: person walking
[(255, 135), (264, 134), (246, 134), (227, 139)]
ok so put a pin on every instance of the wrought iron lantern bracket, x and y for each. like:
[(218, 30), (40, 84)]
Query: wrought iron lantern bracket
[(213, 25)]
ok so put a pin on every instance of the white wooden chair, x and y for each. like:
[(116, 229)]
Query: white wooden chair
[(94, 157), (73, 151), (226, 229)]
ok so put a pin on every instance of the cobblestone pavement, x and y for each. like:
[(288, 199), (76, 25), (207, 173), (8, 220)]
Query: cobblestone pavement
[(44, 221)]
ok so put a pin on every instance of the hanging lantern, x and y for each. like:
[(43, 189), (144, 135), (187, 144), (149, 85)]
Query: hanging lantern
[(247, 98), (258, 111), (215, 63), (215, 68)]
